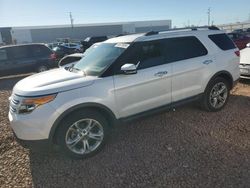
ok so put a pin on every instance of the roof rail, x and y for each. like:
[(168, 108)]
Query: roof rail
[(151, 33), (195, 28), (183, 28)]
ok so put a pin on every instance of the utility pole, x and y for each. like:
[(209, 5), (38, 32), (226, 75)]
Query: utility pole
[(71, 20), (208, 15)]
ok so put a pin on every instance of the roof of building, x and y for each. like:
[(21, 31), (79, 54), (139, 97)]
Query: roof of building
[(137, 23)]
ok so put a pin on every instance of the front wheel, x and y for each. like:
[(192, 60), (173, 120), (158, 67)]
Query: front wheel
[(216, 95), (83, 134)]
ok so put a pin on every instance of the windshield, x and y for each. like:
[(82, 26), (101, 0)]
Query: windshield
[(99, 57)]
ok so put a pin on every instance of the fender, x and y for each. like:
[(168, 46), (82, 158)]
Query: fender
[(75, 108), (224, 74)]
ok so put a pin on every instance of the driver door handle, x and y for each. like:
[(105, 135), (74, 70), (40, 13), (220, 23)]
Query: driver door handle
[(161, 73)]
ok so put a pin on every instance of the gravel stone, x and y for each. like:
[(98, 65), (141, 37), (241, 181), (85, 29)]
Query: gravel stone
[(185, 147)]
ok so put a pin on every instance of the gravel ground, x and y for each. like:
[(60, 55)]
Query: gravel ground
[(182, 148)]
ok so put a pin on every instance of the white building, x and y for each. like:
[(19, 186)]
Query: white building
[(45, 34), (81, 31)]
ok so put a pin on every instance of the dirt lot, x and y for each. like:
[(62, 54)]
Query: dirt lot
[(182, 148)]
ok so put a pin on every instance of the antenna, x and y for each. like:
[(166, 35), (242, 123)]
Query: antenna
[(71, 20)]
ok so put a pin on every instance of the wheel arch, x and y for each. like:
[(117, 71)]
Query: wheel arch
[(108, 114), (223, 74)]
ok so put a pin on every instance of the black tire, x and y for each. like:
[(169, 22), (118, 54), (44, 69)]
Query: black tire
[(73, 118), (42, 68), (206, 103)]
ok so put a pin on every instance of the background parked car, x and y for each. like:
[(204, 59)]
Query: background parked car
[(238, 31), (62, 51), (69, 60), (25, 58), (245, 62), (240, 39), (89, 41), (77, 47), (52, 45)]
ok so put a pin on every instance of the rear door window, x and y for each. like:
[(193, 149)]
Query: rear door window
[(39, 50), (222, 41), (181, 48), (3, 55), (18, 52)]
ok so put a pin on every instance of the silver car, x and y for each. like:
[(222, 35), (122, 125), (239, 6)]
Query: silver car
[(121, 79)]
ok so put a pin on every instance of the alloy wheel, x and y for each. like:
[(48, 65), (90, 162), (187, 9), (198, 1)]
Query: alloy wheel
[(218, 95), (84, 136)]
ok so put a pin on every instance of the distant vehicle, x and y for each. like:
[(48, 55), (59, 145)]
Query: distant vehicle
[(25, 58), (240, 39), (238, 31), (245, 62), (76, 46), (89, 41), (70, 60), (62, 51), (52, 45)]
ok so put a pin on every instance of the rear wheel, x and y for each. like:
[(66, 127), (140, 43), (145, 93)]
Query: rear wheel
[(216, 95), (42, 68), (83, 134)]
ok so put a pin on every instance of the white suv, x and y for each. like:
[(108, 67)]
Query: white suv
[(123, 78)]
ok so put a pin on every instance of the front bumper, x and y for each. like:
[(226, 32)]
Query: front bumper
[(37, 145), (245, 70), (35, 125)]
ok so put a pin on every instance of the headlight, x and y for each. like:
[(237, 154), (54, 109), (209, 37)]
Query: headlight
[(29, 104)]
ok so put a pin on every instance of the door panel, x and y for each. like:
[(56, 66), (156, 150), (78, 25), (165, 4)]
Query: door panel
[(190, 60), (188, 76), (148, 89)]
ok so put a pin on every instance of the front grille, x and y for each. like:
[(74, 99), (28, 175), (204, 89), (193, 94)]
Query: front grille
[(14, 103), (12, 109)]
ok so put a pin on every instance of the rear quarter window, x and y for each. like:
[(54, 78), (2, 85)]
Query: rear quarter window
[(182, 48), (40, 50), (222, 41)]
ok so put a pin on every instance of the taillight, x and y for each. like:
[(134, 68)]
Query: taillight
[(53, 56), (237, 53)]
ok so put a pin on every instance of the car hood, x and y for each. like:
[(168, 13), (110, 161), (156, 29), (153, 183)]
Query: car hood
[(53, 81)]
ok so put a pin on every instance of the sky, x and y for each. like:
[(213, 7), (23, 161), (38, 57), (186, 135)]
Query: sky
[(182, 13)]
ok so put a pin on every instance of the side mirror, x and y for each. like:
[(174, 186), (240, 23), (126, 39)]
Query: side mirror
[(248, 45), (129, 69)]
